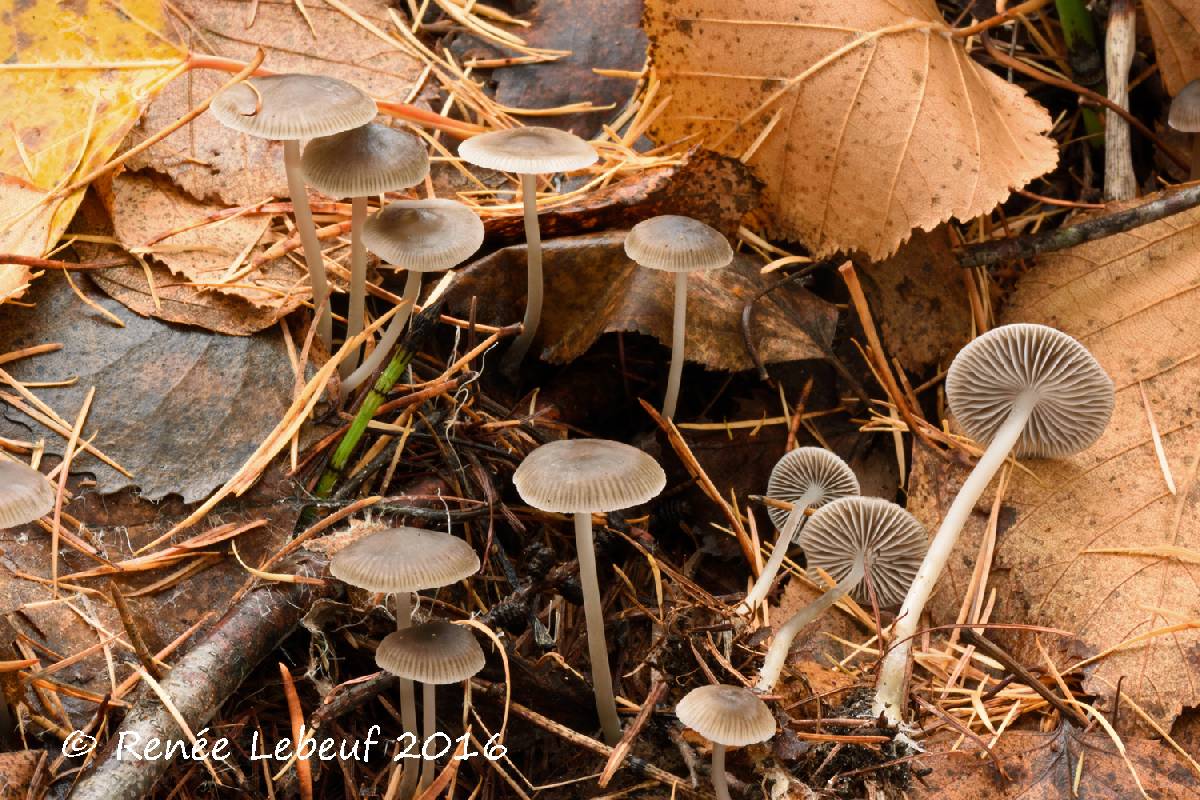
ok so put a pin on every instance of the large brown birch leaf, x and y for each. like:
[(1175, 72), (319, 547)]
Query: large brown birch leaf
[(1096, 543), (1175, 28), (873, 119)]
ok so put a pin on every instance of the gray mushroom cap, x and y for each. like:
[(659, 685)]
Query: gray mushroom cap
[(892, 541), (404, 560), (810, 477), (588, 475), (436, 652), (1185, 108), (1073, 394), (293, 106), (368, 160), (728, 715), (530, 150), (424, 235), (673, 243), (25, 494)]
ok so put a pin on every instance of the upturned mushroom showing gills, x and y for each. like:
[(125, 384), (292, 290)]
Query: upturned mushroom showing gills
[(808, 478), (1184, 116), (25, 494), (528, 152), (289, 108), (369, 160), (1023, 388), (852, 538), (430, 654), (401, 561), (728, 716), (680, 245), (582, 477), (420, 236)]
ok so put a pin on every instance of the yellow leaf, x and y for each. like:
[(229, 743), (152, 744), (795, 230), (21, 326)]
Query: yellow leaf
[(74, 78), (866, 119)]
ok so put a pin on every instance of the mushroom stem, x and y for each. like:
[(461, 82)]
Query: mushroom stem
[(358, 279), (719, 782), (890, 685), (677, 340), (777, 653), (758, 592), (606, 705), (391, 335), (408, 698), (533, 294), (1195, 168), (429, 711), (308, 239)]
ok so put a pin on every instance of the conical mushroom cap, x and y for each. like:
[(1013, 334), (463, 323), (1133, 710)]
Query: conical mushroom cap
[(891, 539), (730, 715), (293, 106), (1185, 109), (25, 494), (528, 151), (437, 652), (587, 475), (810, 477), (424, 235), (367, 160), (1074, 395), (677, 244), (404, 560)]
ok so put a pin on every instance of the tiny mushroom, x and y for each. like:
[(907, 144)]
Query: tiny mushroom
[(289, 108), (1023, 387), (582, 477), (369, 160), (401, 561), (1184, 116), (25, 494), (808, 478), (728, 716), (529, 152), (852, 538), (680, 245), (431, 654), (421, 236)]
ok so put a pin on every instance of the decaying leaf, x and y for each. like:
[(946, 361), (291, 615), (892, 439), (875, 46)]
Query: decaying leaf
[(16, 772), (593, 288), (1055, 766), (1098, 543), (180, 408), (208, 160), (1175, 27), (60, 124), (866, 120)]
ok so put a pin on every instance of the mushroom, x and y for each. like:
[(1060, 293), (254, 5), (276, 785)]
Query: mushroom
[(1027, 388), (290, 108), (369, 160), (25, 494), (808, 478), (422, 236), (528, 152), (680, 245), (582, 477), (728, 716), (431, 654), (1185, 116), (852, 538), (401, 561)]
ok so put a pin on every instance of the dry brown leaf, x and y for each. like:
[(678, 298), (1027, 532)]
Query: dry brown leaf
[(1175, 28), (16, 773), (208, 160), (1132, 300), (881, 122), (593, 288)]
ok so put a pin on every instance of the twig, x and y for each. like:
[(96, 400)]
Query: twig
[(133, 632), (631, 733), (1026, 677)]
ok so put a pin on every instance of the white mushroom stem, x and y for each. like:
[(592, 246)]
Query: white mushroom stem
[(533, 254), (391, 335), (309, 241), (758, 592), (678, 335), (429, 703), (719, 782), (408, 699), (593, 611), (356, 314), (777, 653), (890, 685)]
